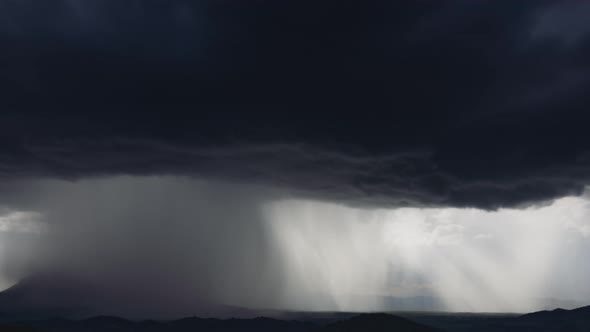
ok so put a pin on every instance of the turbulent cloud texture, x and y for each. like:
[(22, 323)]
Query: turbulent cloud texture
[(426, 103)]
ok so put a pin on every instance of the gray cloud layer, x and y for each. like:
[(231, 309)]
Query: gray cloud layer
[(420, 103), (357, 178), (142, 247)]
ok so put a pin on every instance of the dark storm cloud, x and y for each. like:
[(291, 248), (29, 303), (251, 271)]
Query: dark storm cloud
[(423, 102)]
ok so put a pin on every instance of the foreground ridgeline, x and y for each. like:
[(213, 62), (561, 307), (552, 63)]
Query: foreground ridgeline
[(364, 322), (577, 320)]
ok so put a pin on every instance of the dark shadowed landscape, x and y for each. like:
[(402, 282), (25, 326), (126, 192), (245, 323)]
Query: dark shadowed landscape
[(577, 320), (24, 310)]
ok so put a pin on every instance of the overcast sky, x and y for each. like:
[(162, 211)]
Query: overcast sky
[(282, 143)]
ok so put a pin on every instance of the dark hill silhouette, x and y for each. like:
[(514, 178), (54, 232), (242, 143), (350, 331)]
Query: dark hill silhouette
[(364, 323), (29, 306), (557, 314), (555, 320), (377, 323), (558, 320), (108, 324), (236, 325)]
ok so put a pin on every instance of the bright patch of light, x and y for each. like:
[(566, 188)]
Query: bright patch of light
[(21, 222), (16, 231), (472, 260)]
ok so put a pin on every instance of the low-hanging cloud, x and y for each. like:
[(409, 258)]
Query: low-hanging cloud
[(174, 246), (396, 179)]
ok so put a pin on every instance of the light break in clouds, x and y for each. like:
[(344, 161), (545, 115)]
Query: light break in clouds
[(196, 244)]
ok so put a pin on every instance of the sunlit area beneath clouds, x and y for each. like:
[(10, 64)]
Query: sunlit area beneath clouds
[(251, 246), (445, 259), (18, 232)]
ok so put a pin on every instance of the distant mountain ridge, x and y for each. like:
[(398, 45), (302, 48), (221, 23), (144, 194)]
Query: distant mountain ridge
[(361, 323), (377, 323), (29, 306), (558, 320), (559, 312), (576, 320)]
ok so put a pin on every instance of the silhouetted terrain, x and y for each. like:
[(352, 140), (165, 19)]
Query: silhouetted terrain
[(361, 323), (460, 322), (28, 307), (377, 323), (187, 324), (558, 320)]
